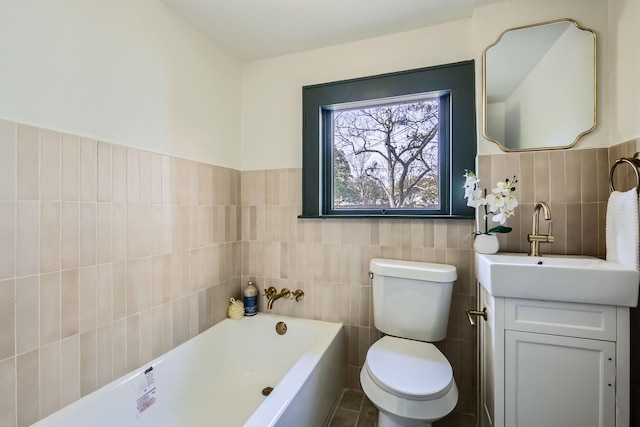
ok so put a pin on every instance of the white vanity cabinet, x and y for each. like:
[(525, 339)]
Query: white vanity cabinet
[(553, 364)]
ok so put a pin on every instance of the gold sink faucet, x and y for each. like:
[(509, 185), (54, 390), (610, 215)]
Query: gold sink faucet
[(535, 238), (272, 296)]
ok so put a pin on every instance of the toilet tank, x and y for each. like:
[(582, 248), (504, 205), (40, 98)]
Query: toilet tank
[(412, 299)]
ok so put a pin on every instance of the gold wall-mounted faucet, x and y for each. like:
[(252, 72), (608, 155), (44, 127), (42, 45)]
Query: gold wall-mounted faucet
[(272, 295), (284, 293), (535, 238)]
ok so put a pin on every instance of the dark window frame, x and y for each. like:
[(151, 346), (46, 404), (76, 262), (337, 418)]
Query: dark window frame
[(443, 169), (457, 79)]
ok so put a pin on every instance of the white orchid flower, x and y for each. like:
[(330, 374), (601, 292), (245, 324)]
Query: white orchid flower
[(468, 191), (475, 199), (470, 184), (501, 203), (500, 217), (511, 202), (502, 187), (495, 202)]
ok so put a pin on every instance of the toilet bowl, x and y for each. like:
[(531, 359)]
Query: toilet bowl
[(405, 376), (410, 382)]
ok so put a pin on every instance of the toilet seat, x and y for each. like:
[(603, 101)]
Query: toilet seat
[(409, 369)]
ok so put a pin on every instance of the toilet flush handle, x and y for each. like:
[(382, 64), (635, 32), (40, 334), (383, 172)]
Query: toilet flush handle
[(471, 313)]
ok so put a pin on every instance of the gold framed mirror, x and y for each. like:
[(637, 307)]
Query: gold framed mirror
[(539, 86)]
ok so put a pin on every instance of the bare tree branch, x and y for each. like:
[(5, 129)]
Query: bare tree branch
[(390, 150)]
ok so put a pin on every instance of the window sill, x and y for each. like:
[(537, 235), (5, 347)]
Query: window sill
[(380, 216)]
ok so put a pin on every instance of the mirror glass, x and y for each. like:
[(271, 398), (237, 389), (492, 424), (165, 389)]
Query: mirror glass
[(539, 86)]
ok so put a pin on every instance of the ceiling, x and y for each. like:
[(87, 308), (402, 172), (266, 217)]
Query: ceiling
[(257, 29)]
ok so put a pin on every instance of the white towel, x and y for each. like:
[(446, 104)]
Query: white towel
[(622, 228)]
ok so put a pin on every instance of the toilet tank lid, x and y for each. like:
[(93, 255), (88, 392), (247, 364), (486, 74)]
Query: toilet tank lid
[(413, 270)]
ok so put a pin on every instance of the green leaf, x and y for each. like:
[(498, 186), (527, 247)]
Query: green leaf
[(500, 229)]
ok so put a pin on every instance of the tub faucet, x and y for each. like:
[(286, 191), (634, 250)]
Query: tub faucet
[(284, 293), (535, 238)]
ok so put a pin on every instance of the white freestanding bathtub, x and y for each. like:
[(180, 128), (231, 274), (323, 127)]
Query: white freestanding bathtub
[(216, 379)]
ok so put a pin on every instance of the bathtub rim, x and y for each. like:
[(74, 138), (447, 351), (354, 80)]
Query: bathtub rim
[(279, 400), (290, 385)]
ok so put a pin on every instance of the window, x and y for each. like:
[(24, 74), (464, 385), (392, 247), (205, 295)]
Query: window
[(394, 145), (386, 156)]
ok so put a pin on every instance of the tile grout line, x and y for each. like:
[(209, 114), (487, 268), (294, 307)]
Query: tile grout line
[(359, 410)]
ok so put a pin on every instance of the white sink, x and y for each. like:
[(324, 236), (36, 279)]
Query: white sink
[(558, 278)]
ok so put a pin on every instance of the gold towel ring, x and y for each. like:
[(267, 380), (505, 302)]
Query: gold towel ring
[(634, 163)]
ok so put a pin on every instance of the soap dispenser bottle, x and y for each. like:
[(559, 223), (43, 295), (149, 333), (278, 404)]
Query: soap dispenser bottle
[(250, 297)]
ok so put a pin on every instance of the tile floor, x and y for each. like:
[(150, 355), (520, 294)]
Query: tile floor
[(356, 410)]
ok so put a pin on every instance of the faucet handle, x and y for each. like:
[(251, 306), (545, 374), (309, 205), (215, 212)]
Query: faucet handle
[(298, 294), (550, 238), (270, 292)]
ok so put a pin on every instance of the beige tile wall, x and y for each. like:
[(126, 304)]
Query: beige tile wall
[(329, 260), (573, 182), (109, 257), (624, 177)]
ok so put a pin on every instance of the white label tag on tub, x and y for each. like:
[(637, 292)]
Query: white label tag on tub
[(147, 391)]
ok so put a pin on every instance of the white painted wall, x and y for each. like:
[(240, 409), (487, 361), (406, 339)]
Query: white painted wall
[(491, 20), (133, 73), (624, 55), (127, 72), (271, 89)]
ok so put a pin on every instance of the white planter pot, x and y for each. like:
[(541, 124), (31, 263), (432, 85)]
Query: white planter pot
[(486, 244)]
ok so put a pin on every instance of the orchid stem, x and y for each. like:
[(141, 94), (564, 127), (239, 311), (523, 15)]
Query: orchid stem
[(486, 221)]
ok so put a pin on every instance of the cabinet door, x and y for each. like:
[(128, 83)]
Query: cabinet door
[(558, 381)]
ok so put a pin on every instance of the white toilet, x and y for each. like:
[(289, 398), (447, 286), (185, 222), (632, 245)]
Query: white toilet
[(405, 376)]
